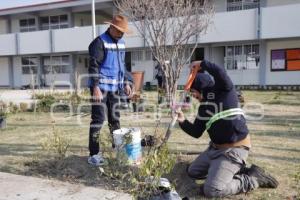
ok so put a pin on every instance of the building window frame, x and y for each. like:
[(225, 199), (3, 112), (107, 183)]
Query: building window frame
[(29, 65), (242, 56), (58, 64), (27, 25), (137, 55), (234, 5), (54, 22)]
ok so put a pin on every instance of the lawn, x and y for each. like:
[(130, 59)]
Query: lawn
[(274, 127)]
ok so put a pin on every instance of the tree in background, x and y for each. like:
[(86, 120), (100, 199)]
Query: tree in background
[(171, 29)]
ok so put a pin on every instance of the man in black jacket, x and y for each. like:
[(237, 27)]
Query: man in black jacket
[(222, 164)]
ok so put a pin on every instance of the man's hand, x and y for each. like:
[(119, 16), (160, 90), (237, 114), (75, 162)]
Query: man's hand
[(180, 115), (97, 94), (128, 90)]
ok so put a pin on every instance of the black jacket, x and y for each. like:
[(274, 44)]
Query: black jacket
[(218, 95)]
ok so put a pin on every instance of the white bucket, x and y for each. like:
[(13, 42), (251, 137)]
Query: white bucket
[(133, 150)]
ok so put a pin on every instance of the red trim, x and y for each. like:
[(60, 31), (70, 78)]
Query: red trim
[(35, 5)]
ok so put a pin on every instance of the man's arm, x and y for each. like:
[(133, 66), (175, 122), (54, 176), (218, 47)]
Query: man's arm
[(222, 80), (195, 129), (128, 83), (96, 53)]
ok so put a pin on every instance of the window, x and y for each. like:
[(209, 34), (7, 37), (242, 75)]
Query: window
[(242, 57), (285, 60), (56, 64), (29, 65), (233, 5), (148, 55), (137, 55), (27, 25), (54, 22)]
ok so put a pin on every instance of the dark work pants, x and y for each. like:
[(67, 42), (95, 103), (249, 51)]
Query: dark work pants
[(108, 106)]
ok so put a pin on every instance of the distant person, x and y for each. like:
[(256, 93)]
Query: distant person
[(159, 76), (223, 163), (108, 79)]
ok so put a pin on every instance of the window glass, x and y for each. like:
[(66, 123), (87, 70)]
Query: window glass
[(63, 18), (25, 61), (230, 51), (44, 20), (23, 22), (25, 70), (57, 64), (66, 69), (241, 57), (31, 22), (238, 50), (46, 69), (29, 65), (56, 69), (54, 19)]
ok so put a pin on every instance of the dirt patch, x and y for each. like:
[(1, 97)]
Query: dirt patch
[(74, 169), (185, 186)]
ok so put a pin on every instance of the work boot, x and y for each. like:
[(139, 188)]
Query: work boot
[(244, 170), (264, 179)]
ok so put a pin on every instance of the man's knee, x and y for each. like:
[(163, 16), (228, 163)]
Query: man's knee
[(214, 190), (195, 173)]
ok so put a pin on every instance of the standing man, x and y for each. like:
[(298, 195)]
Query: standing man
[(222, 164), (108, 78)]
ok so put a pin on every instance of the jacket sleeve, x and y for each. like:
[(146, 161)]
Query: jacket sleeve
[(197, 128), (96, 52), (128, 78), (222, 80)]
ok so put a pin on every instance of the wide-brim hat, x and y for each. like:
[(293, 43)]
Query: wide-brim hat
[(121, 23)]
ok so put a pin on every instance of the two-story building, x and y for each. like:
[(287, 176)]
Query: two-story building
[(257, 41)]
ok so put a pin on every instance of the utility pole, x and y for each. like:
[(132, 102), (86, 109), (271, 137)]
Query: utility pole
[(93, 19)]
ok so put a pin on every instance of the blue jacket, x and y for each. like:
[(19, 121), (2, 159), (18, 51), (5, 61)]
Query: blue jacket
[(218, 95), (107, 63)]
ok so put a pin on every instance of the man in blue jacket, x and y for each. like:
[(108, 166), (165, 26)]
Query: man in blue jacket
[(108, 77), (223, 163)]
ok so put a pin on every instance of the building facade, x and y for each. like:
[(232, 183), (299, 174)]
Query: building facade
[(257, 41)]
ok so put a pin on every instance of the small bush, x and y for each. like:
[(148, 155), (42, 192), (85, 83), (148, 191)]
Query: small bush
[(44, 104), (23, 107), (13, 108), (57, 143), (3, 109)]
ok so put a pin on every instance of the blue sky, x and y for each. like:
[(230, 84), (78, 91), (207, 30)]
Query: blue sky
[(16, 3)]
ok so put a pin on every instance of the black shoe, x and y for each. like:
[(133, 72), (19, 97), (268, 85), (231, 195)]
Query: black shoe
[(264, 179), (149, 141), (244, 170)]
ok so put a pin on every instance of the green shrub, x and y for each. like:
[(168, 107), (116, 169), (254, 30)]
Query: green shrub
[(45, 103)]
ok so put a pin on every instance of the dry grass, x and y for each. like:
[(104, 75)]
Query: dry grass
[(275, 139)]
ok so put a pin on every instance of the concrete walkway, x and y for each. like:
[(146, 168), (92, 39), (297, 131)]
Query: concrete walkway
[(16, 187)]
